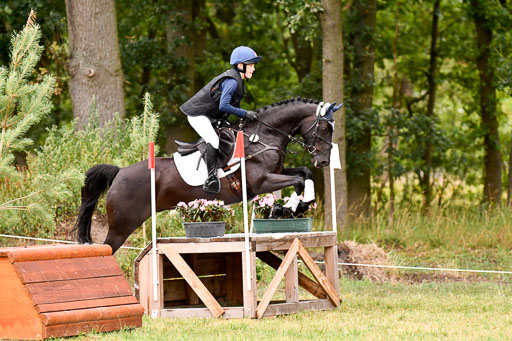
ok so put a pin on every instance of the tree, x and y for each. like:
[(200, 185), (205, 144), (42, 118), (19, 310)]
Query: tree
[(492, 159), (94, 63), (431, 76), (23, 103), (332, 88), (359, 144)]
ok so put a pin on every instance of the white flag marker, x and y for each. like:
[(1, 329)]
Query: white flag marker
[(334, 163)]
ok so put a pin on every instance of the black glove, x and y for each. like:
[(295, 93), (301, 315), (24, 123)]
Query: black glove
[(251, 115)]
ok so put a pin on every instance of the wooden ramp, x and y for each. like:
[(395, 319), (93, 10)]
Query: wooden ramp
[(62, 290)]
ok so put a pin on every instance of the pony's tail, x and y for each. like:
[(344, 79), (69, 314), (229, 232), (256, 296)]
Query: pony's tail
[(97, 180)]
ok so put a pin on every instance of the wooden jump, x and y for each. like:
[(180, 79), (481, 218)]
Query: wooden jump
[(206, 277), (62, 290)]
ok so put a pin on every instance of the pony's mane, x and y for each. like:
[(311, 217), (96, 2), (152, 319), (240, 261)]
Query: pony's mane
[(287, 101)]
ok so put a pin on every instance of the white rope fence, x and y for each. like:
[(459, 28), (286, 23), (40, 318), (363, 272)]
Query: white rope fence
[(60, 241), (419, 268), (320, 262)]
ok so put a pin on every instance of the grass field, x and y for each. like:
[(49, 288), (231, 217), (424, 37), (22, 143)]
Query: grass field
[(369, 311)]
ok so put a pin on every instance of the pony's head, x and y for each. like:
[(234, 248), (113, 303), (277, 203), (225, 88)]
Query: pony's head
[(318, 133)]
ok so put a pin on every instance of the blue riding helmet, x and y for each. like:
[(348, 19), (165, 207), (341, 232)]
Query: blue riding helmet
[(245, 55)]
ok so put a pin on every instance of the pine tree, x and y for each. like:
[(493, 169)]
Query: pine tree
[(22, 103), (27, 198)]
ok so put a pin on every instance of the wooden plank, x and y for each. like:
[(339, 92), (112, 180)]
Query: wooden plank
[(99, 326), (234, 287), (175, 290), (212, 247), (80, 289), (65, 269), (229, 312), (18, 318), (331, 266), (155, 305), (304, 281), (192, 298), (320, 277), (46, 252), (92, 314), (101, 302), (267, 296), (141, 284), (250, 296), (285, 243), (192, 279), (292, 282), (290, 308)]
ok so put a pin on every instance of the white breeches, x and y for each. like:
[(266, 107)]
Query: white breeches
[(204, 128)]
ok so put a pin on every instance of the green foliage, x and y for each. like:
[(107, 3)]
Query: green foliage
[(55, 172)]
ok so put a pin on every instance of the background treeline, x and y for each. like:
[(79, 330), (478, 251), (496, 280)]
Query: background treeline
[(426, 84)]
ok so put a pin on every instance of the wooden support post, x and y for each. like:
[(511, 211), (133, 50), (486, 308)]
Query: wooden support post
[(292, 282), (250, 296), (155, 306), (331, 266), (192, 280), (304, 281), (320, 277), (288, 258), (192, 298)]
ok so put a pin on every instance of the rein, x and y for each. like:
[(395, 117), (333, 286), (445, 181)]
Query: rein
[(309, 147)]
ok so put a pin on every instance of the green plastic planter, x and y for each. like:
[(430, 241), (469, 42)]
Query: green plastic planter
[(283, 225)]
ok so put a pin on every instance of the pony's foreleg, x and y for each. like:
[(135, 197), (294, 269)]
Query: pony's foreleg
[(309, 186)]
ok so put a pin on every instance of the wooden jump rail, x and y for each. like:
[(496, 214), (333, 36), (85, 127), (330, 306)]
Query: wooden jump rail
[(63, 290), (205, 277)]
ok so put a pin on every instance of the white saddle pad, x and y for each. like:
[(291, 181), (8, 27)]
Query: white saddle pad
[(193, 176)]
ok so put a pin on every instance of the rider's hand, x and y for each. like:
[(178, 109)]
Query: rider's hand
[(251, 115)]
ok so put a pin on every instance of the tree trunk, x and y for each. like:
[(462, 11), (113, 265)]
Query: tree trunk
[(359, 188), (332, 88), (492, 159), (425, 184), (184, 43), (94, 62)]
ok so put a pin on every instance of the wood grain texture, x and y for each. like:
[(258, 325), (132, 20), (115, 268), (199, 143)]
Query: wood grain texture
[(192, 280), (99, 326), (92, 314), (320, 277), (271, 289), (46, 252), (304, 281), (65, 269), (76, 290)]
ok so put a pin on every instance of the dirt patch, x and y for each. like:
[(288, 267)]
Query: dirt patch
[(352, 252), (99, 228)]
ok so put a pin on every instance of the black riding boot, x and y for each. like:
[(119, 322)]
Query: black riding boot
[(212, 183)]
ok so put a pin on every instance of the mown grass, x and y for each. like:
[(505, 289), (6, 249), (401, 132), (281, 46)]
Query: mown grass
[(369, 311)]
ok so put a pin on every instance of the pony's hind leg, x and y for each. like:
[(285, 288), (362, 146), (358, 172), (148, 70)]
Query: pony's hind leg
[(125, 213)]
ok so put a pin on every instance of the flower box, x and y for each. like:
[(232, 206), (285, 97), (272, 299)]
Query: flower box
[(283, 225), (205, 229)]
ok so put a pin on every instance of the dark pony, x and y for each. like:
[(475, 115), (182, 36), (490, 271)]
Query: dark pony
[(128, 198)]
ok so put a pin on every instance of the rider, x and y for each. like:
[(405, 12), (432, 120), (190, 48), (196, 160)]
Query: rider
[(218, 99)]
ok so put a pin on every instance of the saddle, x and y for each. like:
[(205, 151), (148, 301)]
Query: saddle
[(227, 141)]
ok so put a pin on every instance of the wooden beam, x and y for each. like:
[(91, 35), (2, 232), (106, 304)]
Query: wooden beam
[(275, 309), (320, 277), (292, 282), (212, 247), (192, 279), (331, 266), (304, 281), (288, 258), (230, 312)]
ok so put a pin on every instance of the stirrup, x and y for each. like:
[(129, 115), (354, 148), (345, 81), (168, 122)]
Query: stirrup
[(212, 185)]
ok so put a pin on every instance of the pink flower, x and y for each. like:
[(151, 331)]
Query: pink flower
[(182, 204)]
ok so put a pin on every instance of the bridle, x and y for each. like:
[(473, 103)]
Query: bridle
[(310, 147)]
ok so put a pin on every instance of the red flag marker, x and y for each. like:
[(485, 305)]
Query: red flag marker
[(151, 159), (239, 148)]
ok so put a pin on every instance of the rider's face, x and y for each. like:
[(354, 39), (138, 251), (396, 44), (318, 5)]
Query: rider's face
[(249, 69)]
